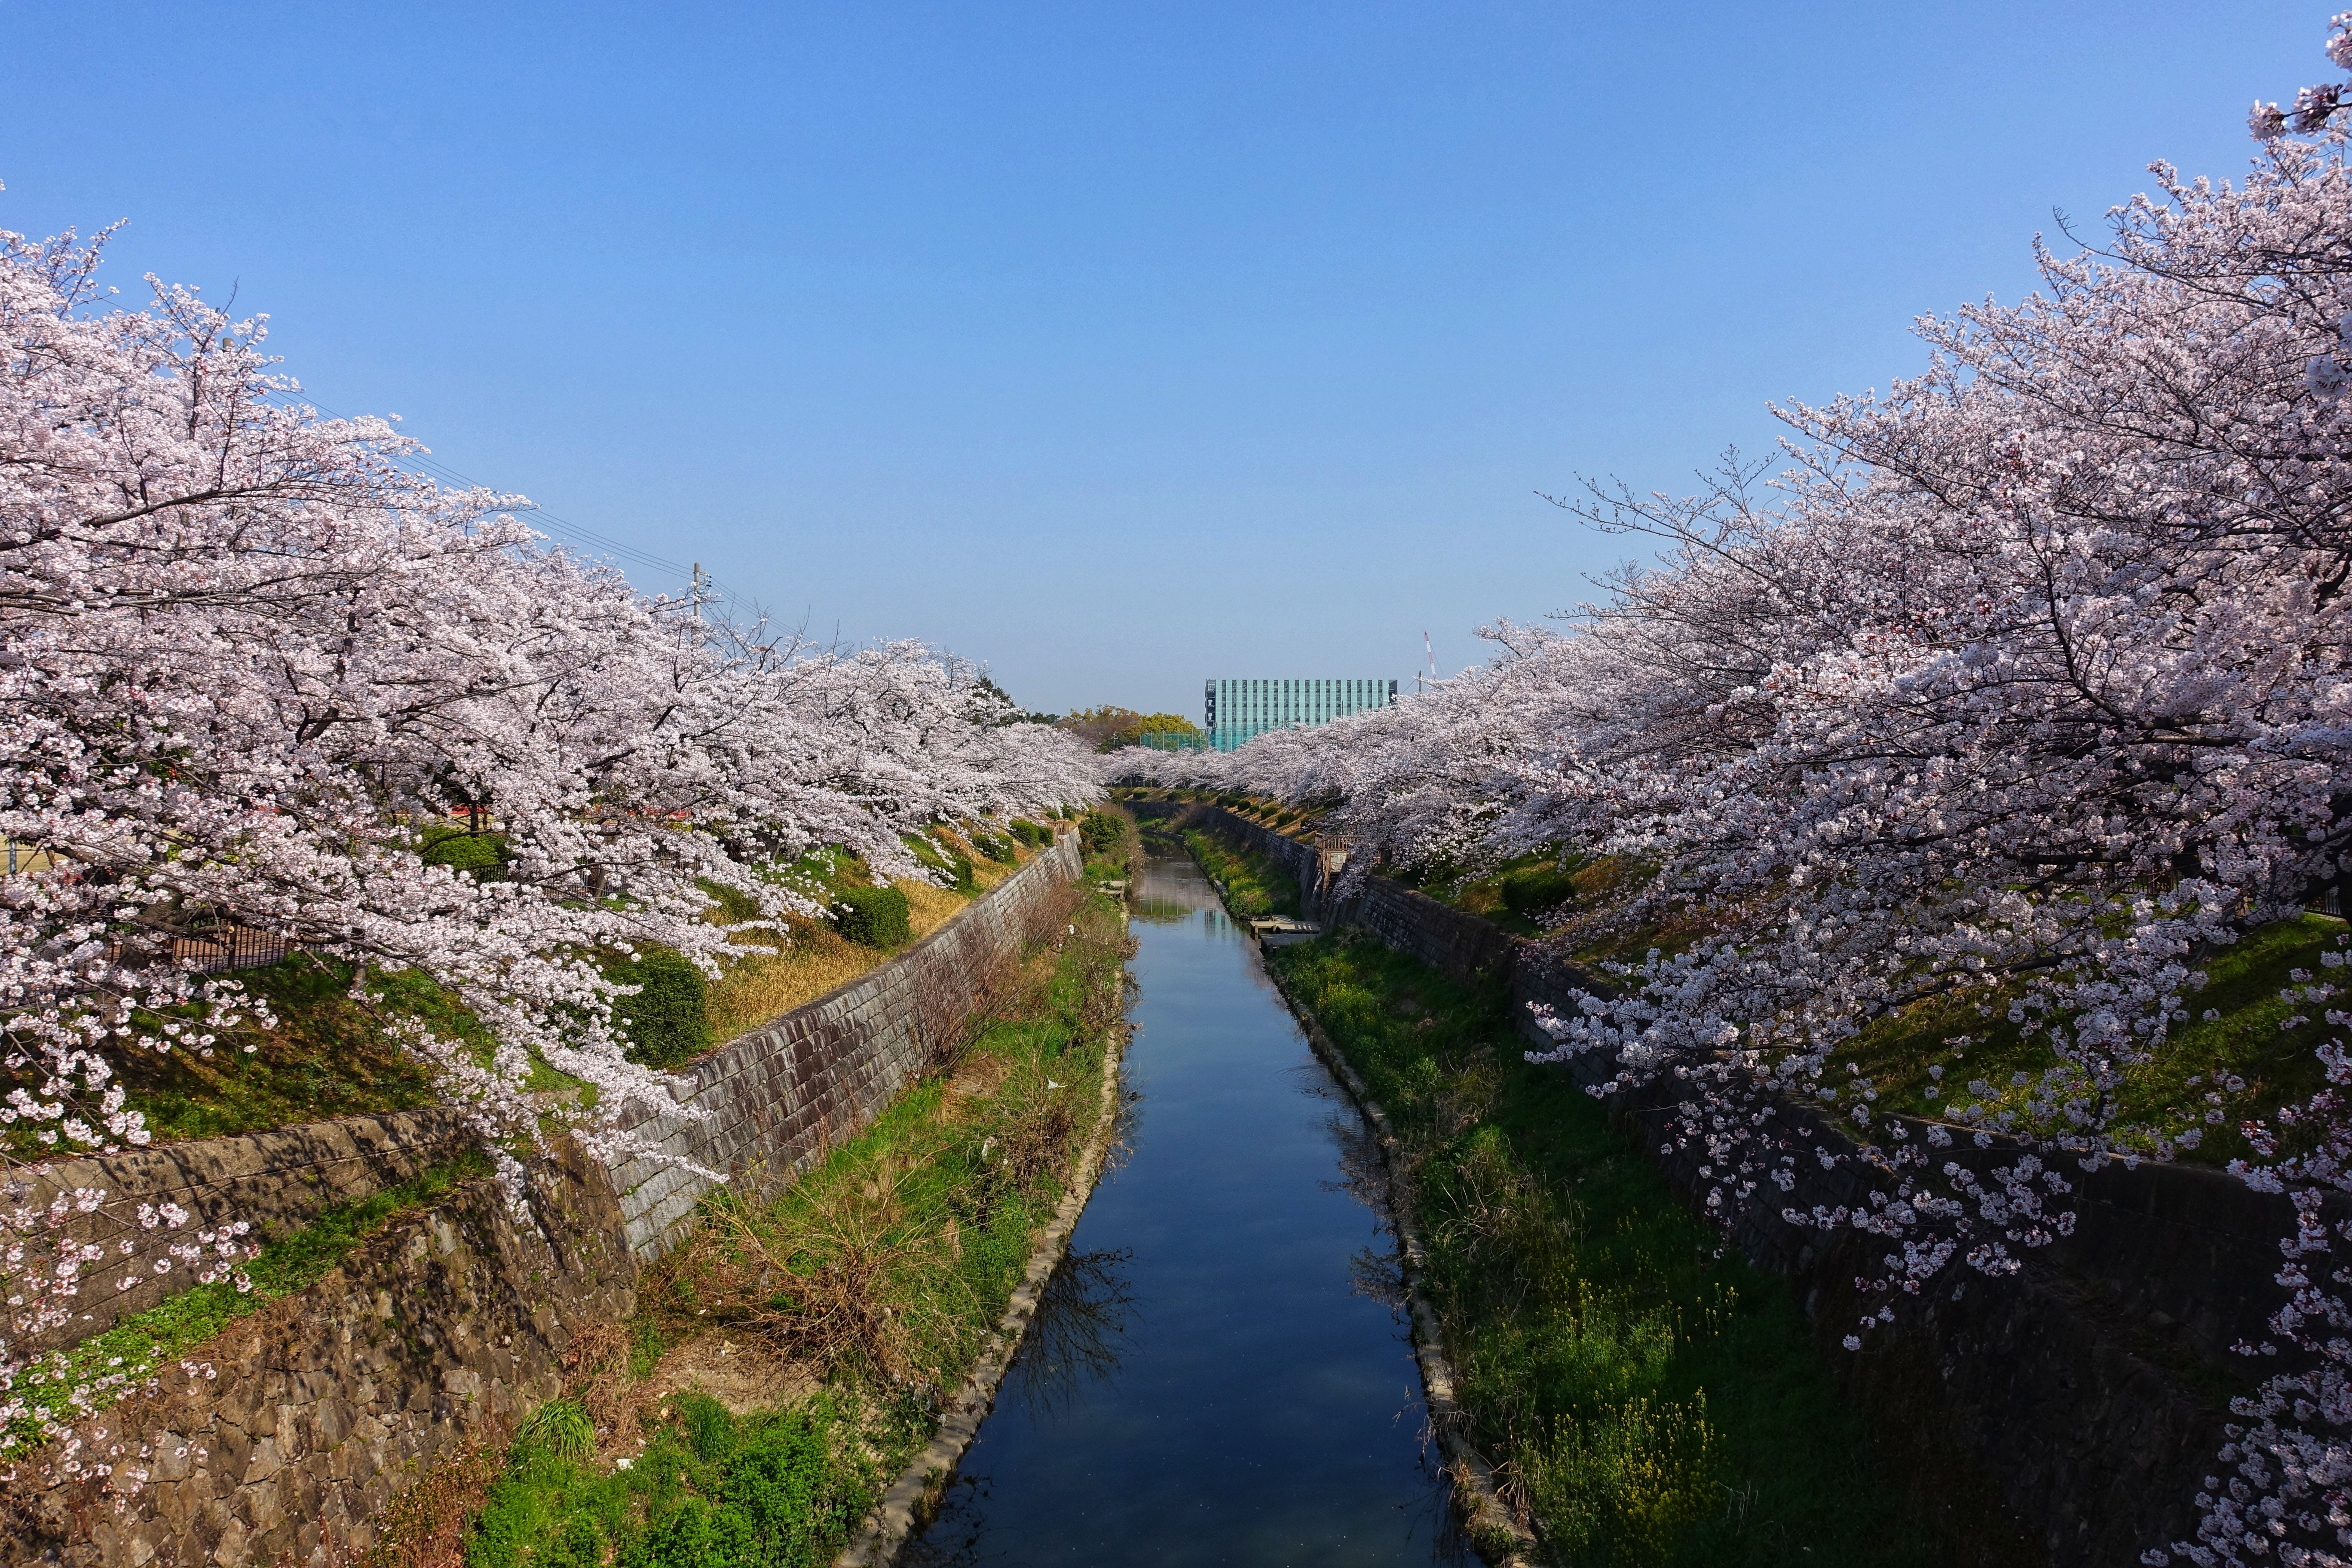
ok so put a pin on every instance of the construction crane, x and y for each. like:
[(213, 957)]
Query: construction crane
[(1432, 652)]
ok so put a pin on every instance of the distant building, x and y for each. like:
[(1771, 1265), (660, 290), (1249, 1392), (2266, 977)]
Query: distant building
[(1239, 709)]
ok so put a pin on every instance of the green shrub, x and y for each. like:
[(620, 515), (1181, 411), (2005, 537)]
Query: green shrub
[(873, 917), (1099, 831), (1536, 888), (1032, 833), (664, 1021), (997, 850), (484, 855)]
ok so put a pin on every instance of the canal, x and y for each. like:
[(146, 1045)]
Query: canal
[(1220, 1371)]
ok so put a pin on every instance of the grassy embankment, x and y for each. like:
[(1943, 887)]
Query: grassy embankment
[(2230, 1060), (788, 1363), (2232, 1056), (1647, 1399), (332, 1054), (1253, 885), (821, 955)]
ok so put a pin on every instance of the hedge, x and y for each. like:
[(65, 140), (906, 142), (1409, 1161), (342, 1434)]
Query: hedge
[(873, 917), (664, 1021)]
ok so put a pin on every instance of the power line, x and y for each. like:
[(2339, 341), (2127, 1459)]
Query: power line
[(737, 606)]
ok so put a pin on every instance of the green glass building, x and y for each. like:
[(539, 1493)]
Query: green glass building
[(1238, 709)]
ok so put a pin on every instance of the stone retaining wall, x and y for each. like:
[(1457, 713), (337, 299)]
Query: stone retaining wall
[(278, 1181), (326, 1404), (771, 1100), (2092, 1387)]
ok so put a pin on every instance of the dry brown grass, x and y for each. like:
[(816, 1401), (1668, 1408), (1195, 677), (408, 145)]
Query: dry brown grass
[(596, 1374), (743, 1373), (757, 988), (753, 990), (834, 1276), (929, 908), (425, 1526)]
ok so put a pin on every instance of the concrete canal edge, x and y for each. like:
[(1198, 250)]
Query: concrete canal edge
[(1494, 1530), (907, 1505)]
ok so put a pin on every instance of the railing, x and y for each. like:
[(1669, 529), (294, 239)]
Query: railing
[(209, 952)]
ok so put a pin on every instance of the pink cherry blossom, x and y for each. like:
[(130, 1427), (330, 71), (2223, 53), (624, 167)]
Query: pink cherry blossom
[(247, 656)]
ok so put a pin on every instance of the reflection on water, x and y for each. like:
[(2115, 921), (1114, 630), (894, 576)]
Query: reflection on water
[(1074, 1339), (1221, 1371)]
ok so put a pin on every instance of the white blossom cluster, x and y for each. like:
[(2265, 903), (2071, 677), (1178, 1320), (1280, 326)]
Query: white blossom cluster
[(2028, 685), (247, 658)]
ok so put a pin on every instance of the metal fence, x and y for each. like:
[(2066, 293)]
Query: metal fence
[(222, 947)]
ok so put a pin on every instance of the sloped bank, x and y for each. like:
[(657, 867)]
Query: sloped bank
[(276, 1180), (762, 1106), (303, 1420), (2092, 1389), (291, 1431)]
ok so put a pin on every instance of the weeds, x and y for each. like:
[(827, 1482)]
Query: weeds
[(1623, 1373), (785, 1489), (879, 1272), (1253, 885), (1620, 1484)]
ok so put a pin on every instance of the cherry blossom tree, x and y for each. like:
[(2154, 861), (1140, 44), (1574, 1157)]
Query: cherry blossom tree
[(2027, 685), (248, 657)]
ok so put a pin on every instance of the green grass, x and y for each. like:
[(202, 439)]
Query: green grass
[(709, 1490), (1654, 1399), (2201, 1057), (328, 1056), (1509, 895), (1111, 844), (1253, 885), (882, 1270), (122, 1360)]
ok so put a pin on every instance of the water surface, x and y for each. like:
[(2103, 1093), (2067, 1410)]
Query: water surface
[(1219, 1373)]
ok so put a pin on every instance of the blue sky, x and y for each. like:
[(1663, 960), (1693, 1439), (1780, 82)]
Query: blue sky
[(1115, 345)]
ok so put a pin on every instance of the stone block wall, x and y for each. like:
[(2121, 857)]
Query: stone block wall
[(2092, 1387), (452, 1322), (324, 1406), (770, 1100), (278, 1181)]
